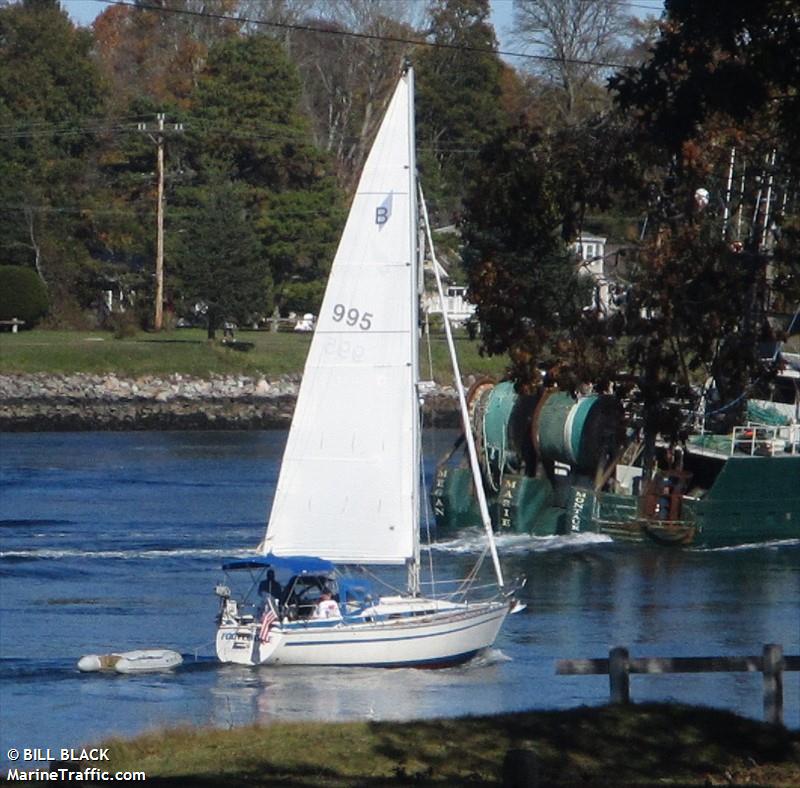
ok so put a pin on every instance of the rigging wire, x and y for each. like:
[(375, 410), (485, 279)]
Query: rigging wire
[(427, 518)]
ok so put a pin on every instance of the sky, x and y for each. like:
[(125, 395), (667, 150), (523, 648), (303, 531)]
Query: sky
[(83, 12)]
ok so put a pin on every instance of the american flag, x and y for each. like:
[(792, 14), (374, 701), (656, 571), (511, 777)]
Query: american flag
[(270, 617)]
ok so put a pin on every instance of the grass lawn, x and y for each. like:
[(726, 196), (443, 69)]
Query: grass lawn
[(187, 351), (648, 744)]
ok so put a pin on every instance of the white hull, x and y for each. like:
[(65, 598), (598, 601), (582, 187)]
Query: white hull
[(447, 636)]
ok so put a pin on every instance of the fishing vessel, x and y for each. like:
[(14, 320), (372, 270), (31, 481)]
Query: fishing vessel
[(553, 463), (347, 503)]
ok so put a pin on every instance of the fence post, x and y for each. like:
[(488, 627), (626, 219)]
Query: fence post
[(618, 676), (772, 668)]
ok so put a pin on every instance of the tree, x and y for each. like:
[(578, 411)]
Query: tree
[(51, 100), (713, 99), (523, 276), (156, 50), (733, 57), (684, 317), (281, 13), (458, 99), (23, 295), (152, 53), (349, 71), (220, 261), (246, 122), (575, 39)]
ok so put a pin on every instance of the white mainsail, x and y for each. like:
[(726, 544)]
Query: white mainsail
[(348, 489)]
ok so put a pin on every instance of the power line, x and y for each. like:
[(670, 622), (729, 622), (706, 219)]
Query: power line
[(353, 34), (658, 7), (263, 131), (89, 119), (139, 211)]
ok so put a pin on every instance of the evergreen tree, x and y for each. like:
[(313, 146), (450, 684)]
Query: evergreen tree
[(23, 295), (246, 122), (459, 108), (220, 260), (51, 98)]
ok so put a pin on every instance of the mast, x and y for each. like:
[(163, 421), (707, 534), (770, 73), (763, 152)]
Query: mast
[(765, 233), (414, 262), (727, 209), (462, 401)]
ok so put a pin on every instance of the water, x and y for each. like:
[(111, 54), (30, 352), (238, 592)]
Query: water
[(113, 541)]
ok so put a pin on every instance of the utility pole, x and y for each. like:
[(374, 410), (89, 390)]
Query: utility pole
[(157, 134)]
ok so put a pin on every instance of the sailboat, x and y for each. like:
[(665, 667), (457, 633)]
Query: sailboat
[(347, 502)]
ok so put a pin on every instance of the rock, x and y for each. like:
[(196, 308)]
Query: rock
[(35, 402), (262, 387)]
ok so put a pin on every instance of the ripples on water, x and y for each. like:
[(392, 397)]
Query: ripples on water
[(114, 542)]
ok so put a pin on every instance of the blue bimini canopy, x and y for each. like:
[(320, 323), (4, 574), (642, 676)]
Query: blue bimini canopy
[(296, 564)]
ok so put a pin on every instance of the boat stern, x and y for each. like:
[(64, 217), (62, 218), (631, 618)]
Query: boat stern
[(242, 645)]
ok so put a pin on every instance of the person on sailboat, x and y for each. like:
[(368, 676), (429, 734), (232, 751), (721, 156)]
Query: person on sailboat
[(270, 590), (270, 586), (326, 607)]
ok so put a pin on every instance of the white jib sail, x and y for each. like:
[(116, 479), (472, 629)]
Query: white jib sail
[(348, 485)]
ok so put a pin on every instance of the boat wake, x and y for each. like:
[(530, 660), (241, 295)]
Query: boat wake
[(492, 656), (16, 669), (768, 545), (474, 540)]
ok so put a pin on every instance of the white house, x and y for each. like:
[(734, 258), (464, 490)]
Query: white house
[(591, 251), (458, 308)]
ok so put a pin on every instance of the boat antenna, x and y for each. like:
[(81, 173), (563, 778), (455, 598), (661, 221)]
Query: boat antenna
[(462, 401)]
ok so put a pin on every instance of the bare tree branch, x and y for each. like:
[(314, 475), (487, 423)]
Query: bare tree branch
[(574, 36)]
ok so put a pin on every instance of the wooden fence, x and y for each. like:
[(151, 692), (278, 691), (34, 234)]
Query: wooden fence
[(772, 664)]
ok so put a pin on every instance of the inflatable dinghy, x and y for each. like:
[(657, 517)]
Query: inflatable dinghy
[(143, 661)]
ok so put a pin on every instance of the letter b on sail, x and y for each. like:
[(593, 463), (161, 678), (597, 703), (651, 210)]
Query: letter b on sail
[(383, 212)]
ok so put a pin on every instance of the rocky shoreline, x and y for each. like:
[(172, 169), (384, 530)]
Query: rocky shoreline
[(42, 402)]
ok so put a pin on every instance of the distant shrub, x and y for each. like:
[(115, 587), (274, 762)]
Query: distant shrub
[(23, 295), (124, 324)]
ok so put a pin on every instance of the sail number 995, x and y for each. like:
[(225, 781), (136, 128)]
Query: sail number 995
[(353, 317)]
